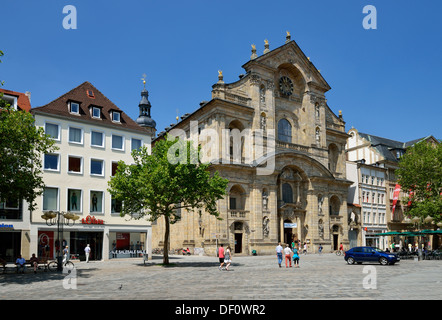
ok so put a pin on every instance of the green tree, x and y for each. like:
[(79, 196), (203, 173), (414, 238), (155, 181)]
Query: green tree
[(22, 147), (155, 186), (420, 172)]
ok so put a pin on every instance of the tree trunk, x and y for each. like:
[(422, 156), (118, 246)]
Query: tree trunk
[(166, 240)]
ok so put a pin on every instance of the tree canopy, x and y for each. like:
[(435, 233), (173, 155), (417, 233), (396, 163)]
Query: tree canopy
[(420, 173), (154, 186), (22, 147)]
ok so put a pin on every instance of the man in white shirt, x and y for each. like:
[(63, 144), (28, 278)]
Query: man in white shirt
[(287, 252), (87, 251), (279, 253)]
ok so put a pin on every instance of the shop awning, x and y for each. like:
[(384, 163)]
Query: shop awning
[(390, 233)]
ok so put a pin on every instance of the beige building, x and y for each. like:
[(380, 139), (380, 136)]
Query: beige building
[(295, 188)]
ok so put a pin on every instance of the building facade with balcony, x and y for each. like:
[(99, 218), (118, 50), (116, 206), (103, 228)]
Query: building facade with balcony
[(92, 135), (274, 137)]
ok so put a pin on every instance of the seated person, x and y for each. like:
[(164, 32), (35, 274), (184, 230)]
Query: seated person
[(34, 262), (20, 262)]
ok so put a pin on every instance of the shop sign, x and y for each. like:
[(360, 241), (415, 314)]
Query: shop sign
[(6, 226), (91, 220)]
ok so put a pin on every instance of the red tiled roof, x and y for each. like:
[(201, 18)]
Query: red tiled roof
[(23, 101), (60, 107)]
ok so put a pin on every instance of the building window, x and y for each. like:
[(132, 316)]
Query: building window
[(136, 144), (96, 202), (97, 139), (115, 205), (74, 107), (117, 142), (74, 200), (96, 113), (284, 130), (232, 203), (11, 210), (50, 199), (287, 193), (52, 162), (97, 167), (75, 135), (114, 168), (75, 164), (116, 116), (53, 130)]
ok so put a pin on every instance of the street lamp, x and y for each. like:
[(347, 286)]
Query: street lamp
[(60, 219)]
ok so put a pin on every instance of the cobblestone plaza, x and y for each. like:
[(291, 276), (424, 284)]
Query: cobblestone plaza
[(325, 276)]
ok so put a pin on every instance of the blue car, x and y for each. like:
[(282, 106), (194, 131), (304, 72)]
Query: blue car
[(370, 254)]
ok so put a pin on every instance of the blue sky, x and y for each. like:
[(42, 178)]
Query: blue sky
[(387, 82)]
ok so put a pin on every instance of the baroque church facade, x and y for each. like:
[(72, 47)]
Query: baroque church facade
[(303, 196)]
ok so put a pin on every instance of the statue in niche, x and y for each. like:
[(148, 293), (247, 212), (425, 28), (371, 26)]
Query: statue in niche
[(318, 136), (320, 202), (263, 123), (266, 227), (262, 95), (265, 200), (321, 229)]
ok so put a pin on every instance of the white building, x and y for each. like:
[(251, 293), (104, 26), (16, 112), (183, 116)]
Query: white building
[(92, 134), (369, 192)]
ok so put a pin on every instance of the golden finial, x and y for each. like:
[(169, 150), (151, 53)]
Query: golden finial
[(287, 37), (254, 55), (340, 112), (288, 33), (266, 46), (144, 80), (220, 76)]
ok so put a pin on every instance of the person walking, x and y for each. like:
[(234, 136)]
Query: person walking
[(87, 252), (295, 258), (320, 248), (228, 258), (287, 253), (221, 256), (65, 254), (279, 250), (305, 248)]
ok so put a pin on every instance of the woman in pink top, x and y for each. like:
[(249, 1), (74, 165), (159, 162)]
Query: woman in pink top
[(221, 256)]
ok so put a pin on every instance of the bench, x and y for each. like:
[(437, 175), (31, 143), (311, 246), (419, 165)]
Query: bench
[(41, 262)]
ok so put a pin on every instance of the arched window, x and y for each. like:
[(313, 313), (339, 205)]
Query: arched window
[(284, 130), (287, 193)]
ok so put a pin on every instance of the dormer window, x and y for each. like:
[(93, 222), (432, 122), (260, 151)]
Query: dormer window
[(96, 112), (90, 94), (116, 117), (74, 107)]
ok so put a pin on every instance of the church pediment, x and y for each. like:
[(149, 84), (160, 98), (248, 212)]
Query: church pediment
[(289, 56)]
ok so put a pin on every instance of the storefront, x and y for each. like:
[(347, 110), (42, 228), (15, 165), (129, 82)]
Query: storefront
[(10, 243), (127, 244)]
